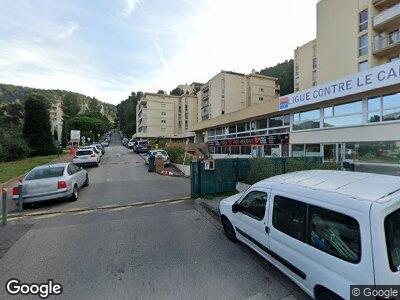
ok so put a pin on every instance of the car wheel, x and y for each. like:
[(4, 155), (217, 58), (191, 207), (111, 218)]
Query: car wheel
[(327, 295), (87, 181), (229, 230), (96, 165), (74, 195)]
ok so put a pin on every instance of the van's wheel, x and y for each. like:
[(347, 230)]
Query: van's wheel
[(86, 181), (74, 195), (327, 295), (229, 230)]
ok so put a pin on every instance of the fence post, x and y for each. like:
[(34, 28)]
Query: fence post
[(4, 207), (20, 199)]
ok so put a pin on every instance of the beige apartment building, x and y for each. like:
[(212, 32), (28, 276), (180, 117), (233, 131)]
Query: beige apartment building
[(346, 104), (165, 116), (228, 92), (352, 36)]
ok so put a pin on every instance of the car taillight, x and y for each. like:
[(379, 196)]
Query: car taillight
[(93, 155), (15, 191), (61, 185)]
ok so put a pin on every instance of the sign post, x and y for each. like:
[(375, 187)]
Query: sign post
[(4, 207)]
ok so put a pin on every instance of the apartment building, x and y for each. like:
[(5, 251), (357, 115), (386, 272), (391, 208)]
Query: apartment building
[(165, 116), (56, 118), (365, 35), (346, 105), (190, 89)]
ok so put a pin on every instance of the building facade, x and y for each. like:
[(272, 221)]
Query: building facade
[(228, 92), (165, 116), (346, 106)]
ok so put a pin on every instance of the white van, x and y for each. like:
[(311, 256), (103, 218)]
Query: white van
[(326, 230)]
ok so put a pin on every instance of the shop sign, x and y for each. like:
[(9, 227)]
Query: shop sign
[(378, 77), (255, 140)]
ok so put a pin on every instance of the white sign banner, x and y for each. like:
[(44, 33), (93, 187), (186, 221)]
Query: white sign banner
[(378, 77), (75, 134)]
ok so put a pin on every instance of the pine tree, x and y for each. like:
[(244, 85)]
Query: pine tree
[(37, 128)]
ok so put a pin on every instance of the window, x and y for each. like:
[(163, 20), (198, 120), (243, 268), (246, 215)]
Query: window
[(246, 150), (289, 217), (335, 234), (232, 129), (314, 63), (261, 90), (362, 66), (314, 75), (44, 173), (254, 204), (313, 150), (363, 45), (261, 98), (394, 37), (298, 150), (163, 113), (163, 121), (262, 124), (275, 122), (296, 80), (163, 105), (386, 108), (306, 120), (363, 20), (343, 115), (392, 232), (241, 127)]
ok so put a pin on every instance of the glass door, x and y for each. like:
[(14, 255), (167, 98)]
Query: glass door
[(330, 153)]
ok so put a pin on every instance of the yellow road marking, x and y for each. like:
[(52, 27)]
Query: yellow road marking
[(49, 216)]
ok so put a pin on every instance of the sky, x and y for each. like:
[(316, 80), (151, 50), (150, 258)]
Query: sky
[(110, 48)]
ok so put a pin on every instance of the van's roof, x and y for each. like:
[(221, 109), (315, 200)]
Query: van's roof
[(366, 186)]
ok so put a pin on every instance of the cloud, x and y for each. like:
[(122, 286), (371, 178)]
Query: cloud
[(67, 30), (129, 7)]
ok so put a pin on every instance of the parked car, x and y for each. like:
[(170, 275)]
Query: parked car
[(326, 230), (141, 146), (130, 144), (54, 181), (101, 147), (96, 150), (105, 143), (125, 141), (86, 157), (156, 153)]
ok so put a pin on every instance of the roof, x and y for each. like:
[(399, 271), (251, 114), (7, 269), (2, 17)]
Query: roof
[(366, 186), (51, 165)]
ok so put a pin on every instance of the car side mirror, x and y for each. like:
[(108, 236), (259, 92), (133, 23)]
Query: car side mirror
[(236, 207)]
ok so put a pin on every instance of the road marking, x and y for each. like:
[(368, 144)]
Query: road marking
[(85, 212), (150, 205), (49, 216), (119, 208)]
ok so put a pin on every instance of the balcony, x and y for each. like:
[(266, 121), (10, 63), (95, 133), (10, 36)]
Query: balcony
[(204, 96), (387, 45), (381, 4), (388, 18)]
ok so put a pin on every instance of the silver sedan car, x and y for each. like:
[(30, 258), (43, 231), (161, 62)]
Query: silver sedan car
[(54, 181)]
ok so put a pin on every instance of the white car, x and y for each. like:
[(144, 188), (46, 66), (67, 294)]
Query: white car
[(326, 230), (156, 153), (95, 149), (86, 157)]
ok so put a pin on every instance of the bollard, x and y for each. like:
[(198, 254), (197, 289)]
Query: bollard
[(4, 207), (20, 199)]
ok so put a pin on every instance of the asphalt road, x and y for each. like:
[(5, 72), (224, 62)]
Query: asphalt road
[(170, 250)]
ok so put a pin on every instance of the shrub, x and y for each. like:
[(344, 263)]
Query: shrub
[(177, 154), (13, 149)]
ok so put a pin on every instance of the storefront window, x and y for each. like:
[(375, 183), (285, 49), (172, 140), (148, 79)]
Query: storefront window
[(343, 121), (374, 104), (390, 101), (313, 150), (241, 127), (245, 150), (232, 129), (374, 152), (211, 132), (219, 131), (262, 124), (276, 122), (286, 120), (285, 150), (386, 108), (235, 150), (348, 108), (297, 150), (391, 115), (343, 115), (306, 120)]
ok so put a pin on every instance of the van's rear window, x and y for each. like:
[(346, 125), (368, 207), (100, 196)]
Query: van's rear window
[(45, 173), (82, 153), (392, 229)]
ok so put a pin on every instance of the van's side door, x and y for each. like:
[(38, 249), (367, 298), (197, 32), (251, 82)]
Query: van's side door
[(250, 222)]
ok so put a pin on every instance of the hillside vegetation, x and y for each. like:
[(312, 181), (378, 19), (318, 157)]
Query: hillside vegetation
[(12, 93)]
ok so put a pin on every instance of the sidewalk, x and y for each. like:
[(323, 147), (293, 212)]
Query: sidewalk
[(11, 205)]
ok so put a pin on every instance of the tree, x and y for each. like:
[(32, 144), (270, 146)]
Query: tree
[(126, 113), (94, 105), (161, 92), (70, 107), (90, 127), (177, 92), (285, 74), (37, 128)]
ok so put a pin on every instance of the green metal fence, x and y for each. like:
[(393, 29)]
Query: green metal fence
[(228, 172)]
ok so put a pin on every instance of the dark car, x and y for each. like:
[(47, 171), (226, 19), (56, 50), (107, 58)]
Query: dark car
[(142, 146)]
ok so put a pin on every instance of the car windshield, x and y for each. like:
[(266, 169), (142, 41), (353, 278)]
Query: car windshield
[(143, 143), (392, 229), (83, 152), (45, 173)]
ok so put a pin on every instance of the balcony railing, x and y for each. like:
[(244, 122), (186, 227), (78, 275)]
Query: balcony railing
[(386, 45), (388, 18), (384, 3)]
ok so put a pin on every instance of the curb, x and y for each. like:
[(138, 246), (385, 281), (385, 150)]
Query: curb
[(106, 207), (211, 210)]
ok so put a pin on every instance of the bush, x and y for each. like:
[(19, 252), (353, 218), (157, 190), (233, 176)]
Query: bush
[(13, 149), (177, 154)]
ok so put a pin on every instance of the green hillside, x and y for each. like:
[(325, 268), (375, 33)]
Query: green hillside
[(12, 93)]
